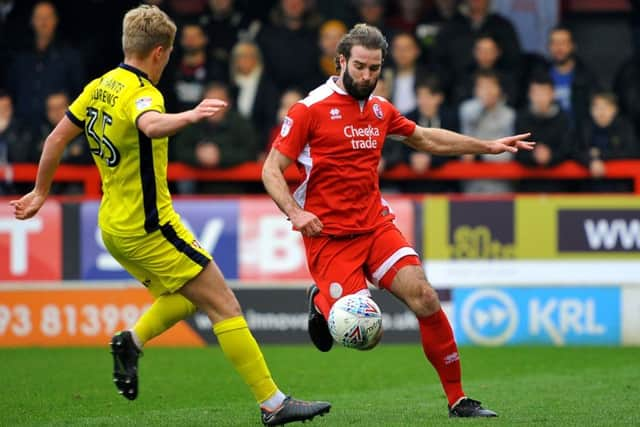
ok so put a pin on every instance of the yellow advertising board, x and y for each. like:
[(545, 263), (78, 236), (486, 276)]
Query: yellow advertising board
[(532, 227)]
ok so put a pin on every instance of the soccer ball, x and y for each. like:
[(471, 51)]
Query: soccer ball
[(355, 321)]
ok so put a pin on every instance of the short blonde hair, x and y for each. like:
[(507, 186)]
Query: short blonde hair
[(145, 28)]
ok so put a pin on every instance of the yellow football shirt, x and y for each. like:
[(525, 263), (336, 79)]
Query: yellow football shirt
[(133, 167)]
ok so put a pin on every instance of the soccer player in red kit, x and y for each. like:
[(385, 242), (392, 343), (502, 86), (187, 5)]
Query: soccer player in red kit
[(335, 135)]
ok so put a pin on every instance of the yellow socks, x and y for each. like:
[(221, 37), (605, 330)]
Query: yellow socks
[(236, 341), (242, 350), (165, 312)]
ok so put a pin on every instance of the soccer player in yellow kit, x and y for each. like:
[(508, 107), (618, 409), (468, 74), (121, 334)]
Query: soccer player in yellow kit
[(122, 114)]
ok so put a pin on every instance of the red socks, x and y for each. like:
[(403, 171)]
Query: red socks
[(322, 304), (441, 350)]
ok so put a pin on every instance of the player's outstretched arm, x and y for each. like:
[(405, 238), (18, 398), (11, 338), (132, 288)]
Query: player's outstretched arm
[(158, 125), (276, 185), (29, 204), (445, 142)]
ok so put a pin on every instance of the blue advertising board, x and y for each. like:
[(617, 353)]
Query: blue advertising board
[(542, 315), (214, 224)]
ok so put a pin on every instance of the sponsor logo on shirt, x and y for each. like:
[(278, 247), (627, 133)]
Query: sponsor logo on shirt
[(377, 110), (286, 126), (362, 138), (142, 103), (334, 113)]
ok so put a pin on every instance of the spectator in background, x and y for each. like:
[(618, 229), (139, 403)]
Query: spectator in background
[(487, 116), (225, 25), (287, 99), (436, 17), (532, 19), (408, 14), (256, 93), (77, 151), (289, 44), (16, 144), (221, 141), (49, 66), (573, 81), (607, 136), (433, 113), (330, 34), (626, 86), (405, 72), (193, 70), (454, 44), (184, 10), (341, 10), (550, 128), (373, 12), (635, 24), (486, 56), (9, 28), (548, 124)]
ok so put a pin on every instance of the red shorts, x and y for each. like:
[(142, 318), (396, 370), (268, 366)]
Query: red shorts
[(342, 265)]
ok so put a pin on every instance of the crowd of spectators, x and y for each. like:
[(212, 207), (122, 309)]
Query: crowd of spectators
[(486, 68)]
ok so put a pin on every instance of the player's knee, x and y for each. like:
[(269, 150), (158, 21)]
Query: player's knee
[(426, 301), (221, 305)]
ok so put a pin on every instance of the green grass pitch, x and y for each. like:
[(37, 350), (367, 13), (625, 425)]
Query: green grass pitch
[(392, 385)]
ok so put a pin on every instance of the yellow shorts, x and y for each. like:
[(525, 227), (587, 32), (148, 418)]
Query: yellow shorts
[(163, 261)]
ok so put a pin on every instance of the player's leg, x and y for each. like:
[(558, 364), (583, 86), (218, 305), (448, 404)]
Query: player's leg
[(150, 259), (317, 325), (126, 346), (166, 311), (411, 286), (141, 256), (336, 266), (396, 267), (183, 276), (209, 292)]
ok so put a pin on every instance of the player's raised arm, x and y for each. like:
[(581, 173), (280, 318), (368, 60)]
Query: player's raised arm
[(29, 204), (276, 185), (159, 125), (445, 142)]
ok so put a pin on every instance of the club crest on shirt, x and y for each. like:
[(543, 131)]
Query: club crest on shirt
[(377, 110), (142, 103), (286, 126)]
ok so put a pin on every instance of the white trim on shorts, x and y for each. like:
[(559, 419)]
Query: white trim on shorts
[(389, 262)]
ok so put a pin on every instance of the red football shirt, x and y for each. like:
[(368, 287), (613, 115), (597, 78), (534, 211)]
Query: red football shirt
[(337, 142)]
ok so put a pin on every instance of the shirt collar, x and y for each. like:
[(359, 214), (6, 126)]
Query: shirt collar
[(134, 70), (331, 82)]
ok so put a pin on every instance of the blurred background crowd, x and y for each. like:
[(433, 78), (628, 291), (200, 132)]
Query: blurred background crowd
[(487, 68)]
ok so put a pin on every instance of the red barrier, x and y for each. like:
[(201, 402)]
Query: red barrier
[(629, 169)]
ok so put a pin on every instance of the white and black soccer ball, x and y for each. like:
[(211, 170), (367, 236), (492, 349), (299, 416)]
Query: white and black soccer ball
[(355, 321)]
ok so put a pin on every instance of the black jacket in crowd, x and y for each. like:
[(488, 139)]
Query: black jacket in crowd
[(264, 109), (447, 119), (552, 130), (616, 141), (627, 88), (453, 50)]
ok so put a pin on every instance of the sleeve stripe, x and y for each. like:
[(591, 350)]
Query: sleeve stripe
[(76, 121)]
